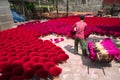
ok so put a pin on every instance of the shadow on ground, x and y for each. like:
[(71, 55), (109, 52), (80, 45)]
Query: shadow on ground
[(69, 48), (94, 64), (96, 39), (87, 62)]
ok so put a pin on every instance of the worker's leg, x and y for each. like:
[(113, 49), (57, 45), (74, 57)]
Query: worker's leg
[(76, 45), (83, 47)]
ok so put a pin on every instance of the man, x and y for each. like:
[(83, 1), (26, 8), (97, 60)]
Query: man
[(112, 10), (79, 27), (100, 13)]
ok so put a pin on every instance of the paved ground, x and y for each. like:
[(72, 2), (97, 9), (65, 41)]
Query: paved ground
[(81, 68)]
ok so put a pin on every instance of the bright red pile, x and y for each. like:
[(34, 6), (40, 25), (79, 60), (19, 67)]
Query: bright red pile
[(104, 25), (23, 55), (63, 26), (100, 25)]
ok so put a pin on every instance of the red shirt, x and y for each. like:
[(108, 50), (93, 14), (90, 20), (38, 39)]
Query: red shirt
[(80, 27)]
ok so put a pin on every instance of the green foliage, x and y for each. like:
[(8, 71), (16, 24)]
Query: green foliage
[(11, 6), (29, 5), (118, 45)]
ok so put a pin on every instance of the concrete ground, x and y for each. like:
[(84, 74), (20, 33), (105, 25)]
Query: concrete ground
[(81, 68)]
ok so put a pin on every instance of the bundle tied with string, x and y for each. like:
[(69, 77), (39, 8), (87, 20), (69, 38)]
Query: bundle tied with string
[(73, 32), (55, 72)]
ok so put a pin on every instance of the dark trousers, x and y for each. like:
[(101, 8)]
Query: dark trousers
[(83, 46)]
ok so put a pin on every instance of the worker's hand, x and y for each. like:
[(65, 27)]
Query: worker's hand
[(75, 29)]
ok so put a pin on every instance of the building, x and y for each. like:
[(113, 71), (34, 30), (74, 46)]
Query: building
[(6, 20), (112, 6)]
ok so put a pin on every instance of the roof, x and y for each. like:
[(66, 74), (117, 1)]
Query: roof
[(42, 2), (111, 1), (23, 0)]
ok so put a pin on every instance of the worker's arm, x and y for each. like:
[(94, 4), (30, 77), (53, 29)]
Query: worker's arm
[(74, 27)]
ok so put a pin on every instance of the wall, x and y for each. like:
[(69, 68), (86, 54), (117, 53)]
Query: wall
[(6, 20), (81, 5)]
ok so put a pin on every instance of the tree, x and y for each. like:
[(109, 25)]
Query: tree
[(67, 7), (57, 7), (55, 4)]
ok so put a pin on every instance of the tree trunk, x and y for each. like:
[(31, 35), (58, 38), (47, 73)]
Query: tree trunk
[(67, 7), (57, 8)]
